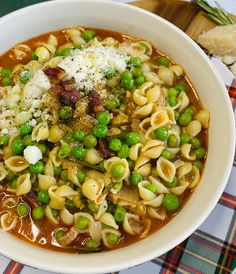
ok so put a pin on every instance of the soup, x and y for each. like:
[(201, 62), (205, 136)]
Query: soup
[(103, 139)]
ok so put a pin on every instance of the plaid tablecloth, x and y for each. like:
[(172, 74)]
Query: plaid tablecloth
[(211, 249)]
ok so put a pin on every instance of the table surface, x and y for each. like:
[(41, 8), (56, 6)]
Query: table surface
[(212, 248)]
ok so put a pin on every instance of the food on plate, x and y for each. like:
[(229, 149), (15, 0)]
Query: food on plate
[(103, 139)]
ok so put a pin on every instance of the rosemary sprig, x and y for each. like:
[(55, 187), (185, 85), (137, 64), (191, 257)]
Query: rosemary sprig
[(216, 14), (83, 163)]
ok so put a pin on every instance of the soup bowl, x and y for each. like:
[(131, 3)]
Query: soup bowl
[(34, 20)]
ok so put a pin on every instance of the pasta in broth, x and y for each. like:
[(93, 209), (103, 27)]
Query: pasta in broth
[(102, 140)]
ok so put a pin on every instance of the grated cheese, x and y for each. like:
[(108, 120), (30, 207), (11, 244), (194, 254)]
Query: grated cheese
[(89, 66)]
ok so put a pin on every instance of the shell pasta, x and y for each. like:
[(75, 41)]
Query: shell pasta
[(102, 140)]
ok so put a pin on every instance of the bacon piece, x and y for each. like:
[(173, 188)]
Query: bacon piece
[(69, 85), (53, 72), (104, 151), (95, 99), (70, 98)]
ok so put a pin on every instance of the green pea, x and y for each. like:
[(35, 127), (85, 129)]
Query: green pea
[(69, 138), (172, 101), (172, 141), (137, 72), (79, 135), (184, 119), (10, 176), (198, 164), (81, 176), (25, 129), (81, 222), (151, 187), (103, 118), (78, 152), (64, 151), (135, 61), (196, 143), (69, 204), (127, 83), (115, 144), (34, 56), (139, 80), (163, 61), (91, 244), (110, 73), (64, 51), (6, 72), (64, 175), (88, 35), (43, 197), (171, 184), (176, 113), (100, 130), (37, 168), (59, 234), (132, 138), (184, 138), (112, 238), (90, 141), (123, 152), (117, 170), (135, 178), (17, 146), (38, 212), (43, 148), (172, 92), (166, 154), (181, 87), (22, 209), (4, 139), (126, 75), (200, 152), (111, 103), (161, 133), (189, 110), (25, 77), (14, 184), (93, 207), (171, 202), (6, 81), (111, 208), (119, 214), (57, 170), (66, 113), (55, 212)]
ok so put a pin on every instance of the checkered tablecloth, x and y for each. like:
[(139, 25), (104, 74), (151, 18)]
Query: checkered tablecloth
[(212, 248)]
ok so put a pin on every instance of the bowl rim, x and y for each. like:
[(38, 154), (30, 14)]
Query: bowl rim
[(225, 175)]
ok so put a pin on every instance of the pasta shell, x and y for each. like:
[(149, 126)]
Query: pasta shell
[(193, 128), (105, 233), (142, 160), (195, 177), (116, 160), (92, 156), (72, 171), (95, 231), (10, 202), (139, 98), (134, 151), (132, 224), (102, 209), (49, 170), (66, 217), (50, 216), (23, 184), (152, 77), (161, 189), (179, 190), (56, 201), (165, 169), (159, 214), (145, 170), (183, 170), (159, 119), (153, 94), (144, 193), (3, 172), (203, 116), (16, 163), (7, 221), (54, 158), (40, 132), (166, 75), (145, 124), (156, 202), (144, 111), (91, 189), (186, 152), (83, 214), (46, 181), (108, 219), (184, 101)]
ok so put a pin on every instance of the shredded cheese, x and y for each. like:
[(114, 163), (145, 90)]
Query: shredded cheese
[(88, 66)]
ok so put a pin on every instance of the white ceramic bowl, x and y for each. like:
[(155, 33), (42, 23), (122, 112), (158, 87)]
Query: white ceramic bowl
[(41, 18)]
